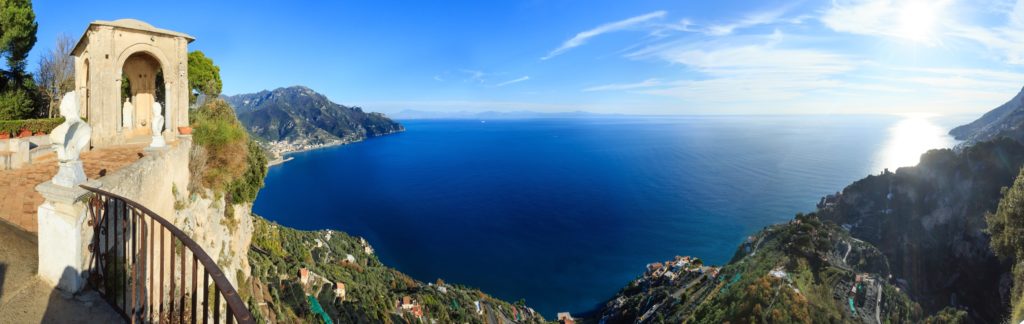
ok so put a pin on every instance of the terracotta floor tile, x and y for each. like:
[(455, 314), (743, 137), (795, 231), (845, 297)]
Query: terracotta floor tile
[(18, 197)]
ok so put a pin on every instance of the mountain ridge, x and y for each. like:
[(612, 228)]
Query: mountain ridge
[(1003, 121), (297, 117)]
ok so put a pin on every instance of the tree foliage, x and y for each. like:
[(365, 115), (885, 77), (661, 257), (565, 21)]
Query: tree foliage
[(1006, 225), (16, 103), (245, 188), (18, 95), (17, 32), (203, 76)]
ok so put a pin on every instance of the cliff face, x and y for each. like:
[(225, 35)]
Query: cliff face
[(301, 116), (929, 221), (224, 232), (1004, 121), (804, 271), (913, 240)]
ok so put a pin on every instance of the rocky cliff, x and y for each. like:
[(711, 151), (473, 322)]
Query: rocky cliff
[(1004, 121), (902, 246), (805, 271), (225, 232), (929, 222)]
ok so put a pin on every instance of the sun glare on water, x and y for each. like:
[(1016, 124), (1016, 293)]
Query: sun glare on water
[(908, 139)]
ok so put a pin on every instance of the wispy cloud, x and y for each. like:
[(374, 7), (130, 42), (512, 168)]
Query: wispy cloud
[(516, 80), (625, 86), (751, 20), (926, 22), (740, 73), (582, 37), (743, 69), (475, 76), (914, 20), (1007, 39)]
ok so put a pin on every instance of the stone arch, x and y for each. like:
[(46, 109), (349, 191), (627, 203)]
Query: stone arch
[(105, 52), (142, 71), (136, 48), (144, 49)]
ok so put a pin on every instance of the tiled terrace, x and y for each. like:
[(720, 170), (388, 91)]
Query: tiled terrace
[(18, 196)]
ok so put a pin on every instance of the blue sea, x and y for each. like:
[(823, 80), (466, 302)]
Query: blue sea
[(565, 212)]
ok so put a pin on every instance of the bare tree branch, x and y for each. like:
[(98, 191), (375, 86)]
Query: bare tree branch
[(56, 74)]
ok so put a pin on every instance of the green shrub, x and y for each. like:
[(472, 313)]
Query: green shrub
[(44, 125), (245, 188), (16, 104), (221, 135)]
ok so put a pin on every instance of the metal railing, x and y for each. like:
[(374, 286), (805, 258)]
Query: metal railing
[(145, 276)]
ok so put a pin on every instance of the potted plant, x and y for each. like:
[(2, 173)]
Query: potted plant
[(5, 134), (24, 133), (185, 130)]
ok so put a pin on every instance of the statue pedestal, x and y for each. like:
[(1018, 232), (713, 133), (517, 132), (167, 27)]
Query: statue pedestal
[(158, 141), (63, 236), (70, 174)]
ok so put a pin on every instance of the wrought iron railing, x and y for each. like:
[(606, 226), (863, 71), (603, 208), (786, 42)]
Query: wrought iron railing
[(145, 276)]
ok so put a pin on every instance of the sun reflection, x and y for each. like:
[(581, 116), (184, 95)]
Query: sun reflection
[(908, 139)]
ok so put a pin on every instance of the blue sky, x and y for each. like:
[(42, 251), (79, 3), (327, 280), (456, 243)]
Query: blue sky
[(631, 57)]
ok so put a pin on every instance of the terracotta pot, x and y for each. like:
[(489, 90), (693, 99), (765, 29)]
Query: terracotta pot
[(5, 135), (25, 133), (40, 133), (185, 130)]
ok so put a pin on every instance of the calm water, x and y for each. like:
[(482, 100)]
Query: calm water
[(564, 212)]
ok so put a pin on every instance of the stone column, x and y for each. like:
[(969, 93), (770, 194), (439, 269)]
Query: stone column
[(63, 235), (19, 148)]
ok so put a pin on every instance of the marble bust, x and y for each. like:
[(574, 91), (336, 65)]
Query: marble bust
[(157, 126), (68, 140)]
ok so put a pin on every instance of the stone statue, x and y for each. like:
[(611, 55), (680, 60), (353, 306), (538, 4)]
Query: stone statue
[(158, 126), (68, 140), (127, 111)]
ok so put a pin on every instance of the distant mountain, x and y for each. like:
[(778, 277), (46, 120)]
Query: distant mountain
[(519, 114), (1004, 121), (301, 117)]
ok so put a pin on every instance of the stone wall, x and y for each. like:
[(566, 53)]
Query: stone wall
[(160, 181), (18, 152)]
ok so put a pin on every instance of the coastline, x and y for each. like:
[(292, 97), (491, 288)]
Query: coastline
[(283, 153), (279, 161)]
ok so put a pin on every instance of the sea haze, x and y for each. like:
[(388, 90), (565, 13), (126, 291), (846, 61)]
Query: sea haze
[(565, 212)]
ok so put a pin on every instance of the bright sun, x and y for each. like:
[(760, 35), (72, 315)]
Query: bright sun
[(918, 20)]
